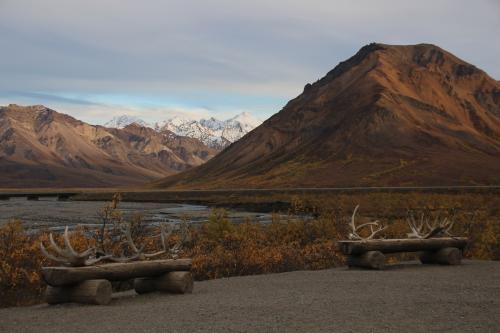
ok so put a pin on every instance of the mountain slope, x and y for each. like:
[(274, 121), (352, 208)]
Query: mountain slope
[(41, 147), (388, 116)]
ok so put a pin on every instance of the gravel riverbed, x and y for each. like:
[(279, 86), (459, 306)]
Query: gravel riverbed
[(52, 214)]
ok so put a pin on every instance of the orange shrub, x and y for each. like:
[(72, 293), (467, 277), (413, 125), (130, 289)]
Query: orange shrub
[(221, 249), (20, 264)]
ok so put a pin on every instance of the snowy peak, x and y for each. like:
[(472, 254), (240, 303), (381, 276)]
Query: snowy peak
[(213, 123), (238, 126), (246, 119), (125, 120), (213, 132)]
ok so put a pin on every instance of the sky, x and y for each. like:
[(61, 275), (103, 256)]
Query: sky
[(156, 59)]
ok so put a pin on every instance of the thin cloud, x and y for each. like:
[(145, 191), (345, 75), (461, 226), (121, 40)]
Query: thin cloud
[(47, 98), (239, 51)]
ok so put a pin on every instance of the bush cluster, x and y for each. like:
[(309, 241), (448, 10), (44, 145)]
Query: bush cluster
[(221, 249)]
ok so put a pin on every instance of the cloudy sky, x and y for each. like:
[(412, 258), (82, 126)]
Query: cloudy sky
[(95, 59)]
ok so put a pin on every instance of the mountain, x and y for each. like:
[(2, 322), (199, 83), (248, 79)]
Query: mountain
[(391, 115), (238, 126), (215, 133), (124, 120), (40, 147), (204, 130)]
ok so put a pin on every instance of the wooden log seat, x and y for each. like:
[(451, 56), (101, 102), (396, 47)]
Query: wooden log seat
[(370, 253), (86, 292), (91, 284), (61, 276), (172, 282)]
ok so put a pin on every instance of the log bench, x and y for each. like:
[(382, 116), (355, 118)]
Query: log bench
[(370, 253), (91, 284)]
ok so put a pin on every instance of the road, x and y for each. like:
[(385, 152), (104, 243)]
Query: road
[(67, 193)]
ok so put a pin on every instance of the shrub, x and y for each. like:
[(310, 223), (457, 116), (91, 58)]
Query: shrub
[(253, 248), (20, 281)]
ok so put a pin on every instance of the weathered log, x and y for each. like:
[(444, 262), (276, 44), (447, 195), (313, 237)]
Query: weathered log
[(173, 282), (87, 292), (401, 245), (61, 276), (446, 256), (370, 259)]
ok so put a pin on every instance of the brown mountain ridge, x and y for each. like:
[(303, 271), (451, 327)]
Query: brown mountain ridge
[(40, 147), (391, 115)]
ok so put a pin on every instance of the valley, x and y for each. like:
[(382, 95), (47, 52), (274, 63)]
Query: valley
[(389, 116)]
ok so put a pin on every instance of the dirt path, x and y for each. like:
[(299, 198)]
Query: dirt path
[(404, 298)]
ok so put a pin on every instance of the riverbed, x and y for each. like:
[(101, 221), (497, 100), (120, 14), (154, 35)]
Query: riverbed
[(49, 213)]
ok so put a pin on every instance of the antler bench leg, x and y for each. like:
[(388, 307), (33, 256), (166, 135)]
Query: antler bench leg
[(87, 292), (177, 282), (370, 259), (444, 256)]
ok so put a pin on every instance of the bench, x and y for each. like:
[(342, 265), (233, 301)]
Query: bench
[(92, 284), (370, 253)]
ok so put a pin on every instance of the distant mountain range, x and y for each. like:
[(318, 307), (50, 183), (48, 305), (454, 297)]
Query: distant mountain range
[(40, 147), (391, 115), (215, 133)]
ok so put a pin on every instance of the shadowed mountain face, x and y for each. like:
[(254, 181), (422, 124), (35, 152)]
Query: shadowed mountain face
[(388, 116), (40, 147)]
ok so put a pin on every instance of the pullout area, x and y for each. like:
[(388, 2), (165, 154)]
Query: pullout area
[(402, 298)]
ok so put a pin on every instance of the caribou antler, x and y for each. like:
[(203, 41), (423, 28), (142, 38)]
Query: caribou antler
[(68, 256), (184, 237), (424, 228), (165, 233), (139, 254), (354, 235)]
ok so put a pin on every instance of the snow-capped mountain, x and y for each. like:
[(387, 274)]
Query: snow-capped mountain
[(203, 130), (124, 120), (238, 126), (213, 132)]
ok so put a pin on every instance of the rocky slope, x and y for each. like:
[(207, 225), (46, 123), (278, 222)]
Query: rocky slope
[(40, 147), (215, 133), (388, 116)]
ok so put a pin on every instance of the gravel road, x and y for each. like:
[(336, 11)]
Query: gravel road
[(404, 298)]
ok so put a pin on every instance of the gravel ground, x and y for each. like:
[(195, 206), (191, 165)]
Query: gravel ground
[(404, 298)]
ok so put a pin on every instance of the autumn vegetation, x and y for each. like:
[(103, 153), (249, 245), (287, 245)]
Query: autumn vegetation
[(220, 248)]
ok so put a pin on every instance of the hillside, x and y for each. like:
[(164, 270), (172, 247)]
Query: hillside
[(40, 147), (388, 116)]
